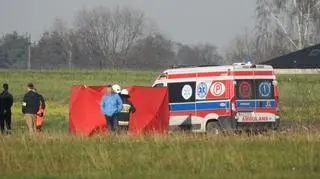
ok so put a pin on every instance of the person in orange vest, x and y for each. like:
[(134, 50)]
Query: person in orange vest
[(39, 115)]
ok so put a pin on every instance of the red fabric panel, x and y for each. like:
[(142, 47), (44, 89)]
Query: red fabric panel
[(152, 114), (152, 111), (85, 115), (74, 91), (160, 123), (100, 89)]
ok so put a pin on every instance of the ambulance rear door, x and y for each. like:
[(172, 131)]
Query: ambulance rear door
[(245, 99), (255, 100), (265, 100)]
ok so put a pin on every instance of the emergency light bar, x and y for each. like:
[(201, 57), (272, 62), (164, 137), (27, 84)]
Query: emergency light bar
[(245, 65)]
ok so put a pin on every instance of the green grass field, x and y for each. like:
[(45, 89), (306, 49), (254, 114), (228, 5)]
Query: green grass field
[(56, 154)]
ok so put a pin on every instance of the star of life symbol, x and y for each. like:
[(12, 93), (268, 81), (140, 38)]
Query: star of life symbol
[(265, 89), (202, 90), (186, 92)]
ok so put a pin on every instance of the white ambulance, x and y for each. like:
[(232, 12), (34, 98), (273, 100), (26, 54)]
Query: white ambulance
[(212, 98)]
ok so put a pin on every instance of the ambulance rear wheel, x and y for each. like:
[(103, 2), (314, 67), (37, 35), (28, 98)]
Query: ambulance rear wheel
[(213, 127)]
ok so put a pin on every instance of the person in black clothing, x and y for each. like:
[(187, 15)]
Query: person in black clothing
[(6, 100), (30, 107), (41, 98), (127, 109)]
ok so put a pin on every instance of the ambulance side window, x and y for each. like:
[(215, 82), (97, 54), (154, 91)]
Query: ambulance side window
[(181, 92), (245, 89)]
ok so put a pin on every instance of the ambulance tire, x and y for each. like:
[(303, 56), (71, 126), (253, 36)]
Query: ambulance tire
[(213, 127)]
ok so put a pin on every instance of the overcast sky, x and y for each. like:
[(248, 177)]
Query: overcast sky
[(186, 21)]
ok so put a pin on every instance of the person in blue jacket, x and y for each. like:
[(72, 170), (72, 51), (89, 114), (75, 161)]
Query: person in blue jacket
[(111, 106)]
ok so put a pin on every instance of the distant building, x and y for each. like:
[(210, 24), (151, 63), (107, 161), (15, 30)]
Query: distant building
[(303, 59)]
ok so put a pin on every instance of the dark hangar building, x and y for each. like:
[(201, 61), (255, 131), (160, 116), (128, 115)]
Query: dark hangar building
[(308, 58)]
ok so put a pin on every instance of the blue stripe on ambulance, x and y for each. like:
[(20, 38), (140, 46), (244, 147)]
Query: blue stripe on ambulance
[(256, 103), (210, 105)]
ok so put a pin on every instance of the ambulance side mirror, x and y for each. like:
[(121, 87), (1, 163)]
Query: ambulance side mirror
[(275, 83)]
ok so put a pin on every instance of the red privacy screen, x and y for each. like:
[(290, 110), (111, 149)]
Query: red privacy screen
[(151, 116)]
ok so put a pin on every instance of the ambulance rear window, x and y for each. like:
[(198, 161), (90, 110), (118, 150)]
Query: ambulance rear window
[(245, 89), (254, 89), (264, 89)]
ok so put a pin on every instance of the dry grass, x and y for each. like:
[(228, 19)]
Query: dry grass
[(294, 155)]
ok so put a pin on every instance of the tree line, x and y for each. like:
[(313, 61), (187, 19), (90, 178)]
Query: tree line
[(123, 37)]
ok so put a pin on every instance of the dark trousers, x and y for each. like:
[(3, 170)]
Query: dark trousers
[(112, 123), (5, 120)]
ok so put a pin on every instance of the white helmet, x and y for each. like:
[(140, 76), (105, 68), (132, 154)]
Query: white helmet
[(125, 92), (116, 88)]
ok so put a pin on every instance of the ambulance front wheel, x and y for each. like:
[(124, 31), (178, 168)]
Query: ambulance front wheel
[(213, 127)]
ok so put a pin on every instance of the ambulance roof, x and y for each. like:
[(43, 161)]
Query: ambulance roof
[(236, 66)]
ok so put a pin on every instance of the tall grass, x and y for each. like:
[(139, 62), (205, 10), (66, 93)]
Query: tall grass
[(173, 156), (300, 97)]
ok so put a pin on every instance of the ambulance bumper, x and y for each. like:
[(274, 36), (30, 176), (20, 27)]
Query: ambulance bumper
[(258, 126), (231, 123)]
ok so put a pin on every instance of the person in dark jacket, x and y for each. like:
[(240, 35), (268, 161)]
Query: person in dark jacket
[(6, 100), (41, 98), (30, 107), (127, 109)]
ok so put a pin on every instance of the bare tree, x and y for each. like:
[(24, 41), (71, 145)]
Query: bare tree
[(238, 49), (66, 37), (111, 32), (287, 24), (198, 55), (241, 47), (208, 54), (153, 52)]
